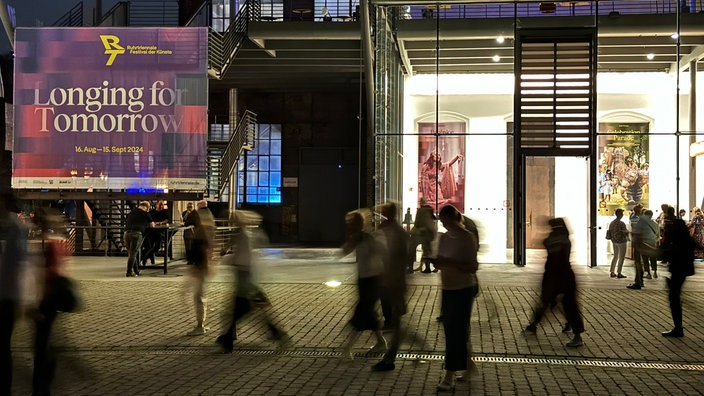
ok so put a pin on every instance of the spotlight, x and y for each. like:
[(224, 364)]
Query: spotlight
[(675, 36), (500, 39), (650, 56), (496, 58)]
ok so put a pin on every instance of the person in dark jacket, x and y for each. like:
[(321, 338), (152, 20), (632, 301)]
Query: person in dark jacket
[(678, 250), (137, 223), (559, 279)]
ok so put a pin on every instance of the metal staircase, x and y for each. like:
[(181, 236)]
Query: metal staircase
[(243, 139), (223, 46)]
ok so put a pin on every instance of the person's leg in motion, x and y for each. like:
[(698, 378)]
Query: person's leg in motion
[(8, 309), (675, 296)]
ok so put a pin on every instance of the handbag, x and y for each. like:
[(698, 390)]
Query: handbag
[(608, 234), (62, 294)]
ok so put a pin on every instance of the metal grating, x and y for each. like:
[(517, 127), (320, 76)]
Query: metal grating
[(555, 92), (318, 353)]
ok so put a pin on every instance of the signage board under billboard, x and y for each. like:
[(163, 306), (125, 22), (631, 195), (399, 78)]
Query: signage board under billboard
[(110, 108)]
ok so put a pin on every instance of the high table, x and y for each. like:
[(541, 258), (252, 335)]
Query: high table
[(168, 232)]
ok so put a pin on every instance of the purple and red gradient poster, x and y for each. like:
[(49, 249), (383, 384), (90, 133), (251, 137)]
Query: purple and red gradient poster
[(110, 108)]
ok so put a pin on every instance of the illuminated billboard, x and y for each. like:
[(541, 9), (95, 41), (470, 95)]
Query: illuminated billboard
[(110, 108)]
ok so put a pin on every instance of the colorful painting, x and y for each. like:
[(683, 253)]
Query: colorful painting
[(441, 164), (623, 167)]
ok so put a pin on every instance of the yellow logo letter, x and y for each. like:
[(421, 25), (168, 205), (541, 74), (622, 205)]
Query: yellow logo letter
[(111, 47)]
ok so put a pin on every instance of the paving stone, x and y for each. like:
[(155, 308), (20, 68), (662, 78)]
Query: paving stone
[(130, 336)]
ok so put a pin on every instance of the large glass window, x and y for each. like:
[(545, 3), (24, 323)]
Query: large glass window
[(259, 170)]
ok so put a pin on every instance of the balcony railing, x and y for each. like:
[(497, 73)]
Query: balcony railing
[(538, 9)]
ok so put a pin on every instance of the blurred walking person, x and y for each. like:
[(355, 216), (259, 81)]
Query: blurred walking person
[(457, 261), (57, 294), (370, 270), (678, 251), (201, 255), (393, 297), (13, 251), (247, 294), (559, 279)]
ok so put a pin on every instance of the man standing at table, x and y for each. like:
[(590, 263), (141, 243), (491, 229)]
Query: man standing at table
[(153, 238), (137, 223)]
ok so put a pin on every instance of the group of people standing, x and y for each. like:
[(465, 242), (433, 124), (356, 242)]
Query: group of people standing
[(383, 257), (669, 239)]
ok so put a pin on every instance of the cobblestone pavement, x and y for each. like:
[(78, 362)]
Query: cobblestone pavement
[(129, 338)]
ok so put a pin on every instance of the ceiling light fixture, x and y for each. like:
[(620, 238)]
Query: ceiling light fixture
[(500, 39), (496, 58), (675, 36), (650, 56)]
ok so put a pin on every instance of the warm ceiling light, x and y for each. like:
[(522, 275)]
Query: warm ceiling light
[(650, 56), (500, 39), (496, 58), (675, 36), (332, 283)]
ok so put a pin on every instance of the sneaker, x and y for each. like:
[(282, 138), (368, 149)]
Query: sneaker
[(620, 276), (530, 329), (634, 286), (226, 342), (379, 347), (648, 276), (445, 386), (575, 342), (613, 275), (198, 330), (655, 274), (674, 333)]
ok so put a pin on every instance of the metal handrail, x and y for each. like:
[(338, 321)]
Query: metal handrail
[(153, 13), (223, 47), (202, 16), (74, 16), (241, 140), (223, 235), (563, 8), (112, 11)]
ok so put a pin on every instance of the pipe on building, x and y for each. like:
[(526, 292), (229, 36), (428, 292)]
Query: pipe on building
[(368, 49), (7, 23), (692, 136)]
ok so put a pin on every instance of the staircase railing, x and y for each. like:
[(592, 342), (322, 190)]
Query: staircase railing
[(223, 46), (118, 15), (73, 17), (243, 139)]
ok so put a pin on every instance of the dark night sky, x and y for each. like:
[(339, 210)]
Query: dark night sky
[(45, 13)]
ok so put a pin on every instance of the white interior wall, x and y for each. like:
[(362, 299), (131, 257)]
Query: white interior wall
[(625, 97)]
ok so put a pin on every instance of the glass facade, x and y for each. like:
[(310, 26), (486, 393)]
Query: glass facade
[(457, 121)]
